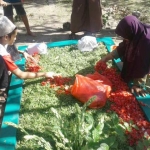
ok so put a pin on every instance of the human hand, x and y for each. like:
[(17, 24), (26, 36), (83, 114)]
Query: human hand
[(139, 91), (2, 3), (29, 57), (51, 74), (106, 58)]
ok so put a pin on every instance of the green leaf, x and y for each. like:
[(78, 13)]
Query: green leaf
[(29, 137), (55, 112), (97, 132), (120, 133), (130, 148), (115, 119), (88, 103), (110, 140), (86, 148), (89, 121), (96, 135), (103, 146)]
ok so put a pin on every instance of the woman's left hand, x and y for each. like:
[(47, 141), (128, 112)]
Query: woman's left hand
[(139, 91)]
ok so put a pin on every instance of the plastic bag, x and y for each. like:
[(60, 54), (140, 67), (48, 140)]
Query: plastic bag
[(87, 43), (40, 48), (85, 88), (1, 11), (102, 79)]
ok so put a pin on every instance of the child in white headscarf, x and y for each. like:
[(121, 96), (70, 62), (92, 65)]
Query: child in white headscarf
[(8, 34)]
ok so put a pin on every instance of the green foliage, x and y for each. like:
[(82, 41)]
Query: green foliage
[(61, 120), (143, 144), (81, 132), (41, 142)]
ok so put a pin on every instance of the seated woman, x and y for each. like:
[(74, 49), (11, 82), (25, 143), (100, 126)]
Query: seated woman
[(134, 51)]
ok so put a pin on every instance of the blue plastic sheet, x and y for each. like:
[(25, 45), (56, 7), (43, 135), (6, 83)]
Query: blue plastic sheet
[(8, 133)]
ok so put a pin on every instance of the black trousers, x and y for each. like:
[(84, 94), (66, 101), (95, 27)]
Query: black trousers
[(4, 78)]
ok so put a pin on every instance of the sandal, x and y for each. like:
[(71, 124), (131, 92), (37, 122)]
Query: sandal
[(3, 96)]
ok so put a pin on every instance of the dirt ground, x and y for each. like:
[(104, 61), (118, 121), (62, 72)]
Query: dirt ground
[(46, 18), (46, 21)]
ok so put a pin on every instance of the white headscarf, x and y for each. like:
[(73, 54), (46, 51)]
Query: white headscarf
[(3, 51), (6, 26)]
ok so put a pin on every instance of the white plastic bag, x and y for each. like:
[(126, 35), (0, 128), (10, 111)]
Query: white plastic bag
[(87, 43), (40, 48), (1, 11)]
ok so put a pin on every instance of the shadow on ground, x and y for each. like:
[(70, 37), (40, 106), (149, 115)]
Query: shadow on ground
[(52, 35)]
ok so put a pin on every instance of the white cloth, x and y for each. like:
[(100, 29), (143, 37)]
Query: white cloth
[(87, 43), (3, 51), (6, 26), (40, 48), (1, 11)]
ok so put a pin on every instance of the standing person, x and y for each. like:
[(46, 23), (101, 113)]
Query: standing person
[(86, 16), (8, 12), (134, 51), (8, 33)]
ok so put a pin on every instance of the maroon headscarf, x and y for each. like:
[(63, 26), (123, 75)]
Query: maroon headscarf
[(135, 53)]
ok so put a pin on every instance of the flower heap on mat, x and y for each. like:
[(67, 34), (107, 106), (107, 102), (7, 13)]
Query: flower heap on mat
[(125, 105), (58, 82), (31, 65)]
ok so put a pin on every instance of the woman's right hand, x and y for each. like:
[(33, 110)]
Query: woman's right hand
[(139, 91)]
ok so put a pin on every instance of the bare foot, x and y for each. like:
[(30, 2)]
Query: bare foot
[(31, 33)]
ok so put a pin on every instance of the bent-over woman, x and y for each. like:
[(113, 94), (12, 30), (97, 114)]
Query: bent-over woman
[(134, 51)]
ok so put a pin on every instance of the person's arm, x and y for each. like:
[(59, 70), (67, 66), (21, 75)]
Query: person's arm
[(30, 75), (2, 3), (25, 75), (27, 56), (111, 55)]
